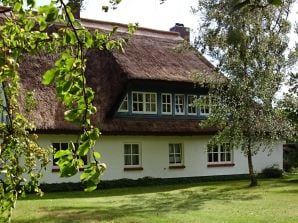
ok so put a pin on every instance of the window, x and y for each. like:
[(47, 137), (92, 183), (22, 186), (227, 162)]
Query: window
[(191, 108), (175, 154), (220, 153), (124, 105), (132, 155), (179, 104), (144, 102), (205, 106), (166, 103), (63, 146)]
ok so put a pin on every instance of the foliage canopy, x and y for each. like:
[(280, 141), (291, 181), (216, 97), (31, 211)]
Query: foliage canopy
[(249, 43)]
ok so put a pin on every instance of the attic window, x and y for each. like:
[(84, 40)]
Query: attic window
[(191, 108), (179, 104), (205, 106), (166, 103), (124, 105), (144, 102)]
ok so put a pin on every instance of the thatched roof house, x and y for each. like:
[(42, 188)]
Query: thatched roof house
[(153, 60)]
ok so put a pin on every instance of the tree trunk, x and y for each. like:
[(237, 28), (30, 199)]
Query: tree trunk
[(253, 178)]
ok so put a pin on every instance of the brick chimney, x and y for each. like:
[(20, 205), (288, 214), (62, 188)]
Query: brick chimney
[(184, 31)]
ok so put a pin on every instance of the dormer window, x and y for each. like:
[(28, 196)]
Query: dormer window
[(205, 106), (179, 104), (166, 104), (191, 108), (124, 105), (144, 102)]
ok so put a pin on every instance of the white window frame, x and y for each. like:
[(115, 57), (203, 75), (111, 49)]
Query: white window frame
[(143, 102), (166, 103), (221, 149), (205, 103), (125, 100), (178, 104), (191, 106), (60, 146), (174, 154), (139, 154)]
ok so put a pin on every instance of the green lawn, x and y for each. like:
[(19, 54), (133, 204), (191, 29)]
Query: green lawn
[(232, 201)]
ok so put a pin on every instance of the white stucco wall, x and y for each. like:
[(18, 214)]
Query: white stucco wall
[(155, 158)]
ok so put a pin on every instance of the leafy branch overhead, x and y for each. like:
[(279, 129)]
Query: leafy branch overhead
[(49, 29)]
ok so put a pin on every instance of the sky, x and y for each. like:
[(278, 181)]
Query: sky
[(148, 13), (151, 14)]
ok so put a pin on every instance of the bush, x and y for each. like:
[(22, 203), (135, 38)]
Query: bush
[(272, 172)]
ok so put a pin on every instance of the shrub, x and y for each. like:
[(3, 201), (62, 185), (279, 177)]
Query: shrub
[(272, 172)]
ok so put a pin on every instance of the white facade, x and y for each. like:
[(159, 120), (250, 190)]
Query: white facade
[(154, 158)]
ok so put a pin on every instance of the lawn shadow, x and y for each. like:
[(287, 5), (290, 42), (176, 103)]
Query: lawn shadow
[(141, 205)]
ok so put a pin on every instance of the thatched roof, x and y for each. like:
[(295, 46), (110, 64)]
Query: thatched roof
[(154, 56)]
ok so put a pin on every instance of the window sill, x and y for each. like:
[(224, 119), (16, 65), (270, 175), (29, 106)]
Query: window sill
[(56, 170), (132, 168), (177, 167), (221, 165)]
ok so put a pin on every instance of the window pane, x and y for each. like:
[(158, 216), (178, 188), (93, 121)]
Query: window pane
[(178, 158), (64, 146), (135, 160), (178, 148), (210, 157), (135, 149), (127, 160), (56, 146), (215, 149), (127, 149), (222, 157), (228, 157), (171, 149), (215, 157), (172, 159)]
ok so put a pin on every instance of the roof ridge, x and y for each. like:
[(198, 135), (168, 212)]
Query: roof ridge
[(143, 31)]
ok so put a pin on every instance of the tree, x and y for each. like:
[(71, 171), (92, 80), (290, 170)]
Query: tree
[(249, 43), (24, 31)]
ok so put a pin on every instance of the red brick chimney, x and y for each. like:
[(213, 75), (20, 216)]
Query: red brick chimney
[(184, 31)]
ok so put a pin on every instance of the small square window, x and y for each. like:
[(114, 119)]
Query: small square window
[(132, 155)]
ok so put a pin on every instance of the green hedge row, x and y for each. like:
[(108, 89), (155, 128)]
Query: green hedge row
[(146, 181)]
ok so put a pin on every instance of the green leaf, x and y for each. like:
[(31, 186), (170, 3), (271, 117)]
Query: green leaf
[(94, 134), (42, 24), (84, 148), (71, 17), (17, 7), (275, 2), (29, 25), (31, 3), (52, 14), (61, 153), (96, 155), (90, 188), (49, 76), (68, 170)]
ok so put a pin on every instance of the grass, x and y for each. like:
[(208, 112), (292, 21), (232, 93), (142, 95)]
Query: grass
[(274, 201)]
